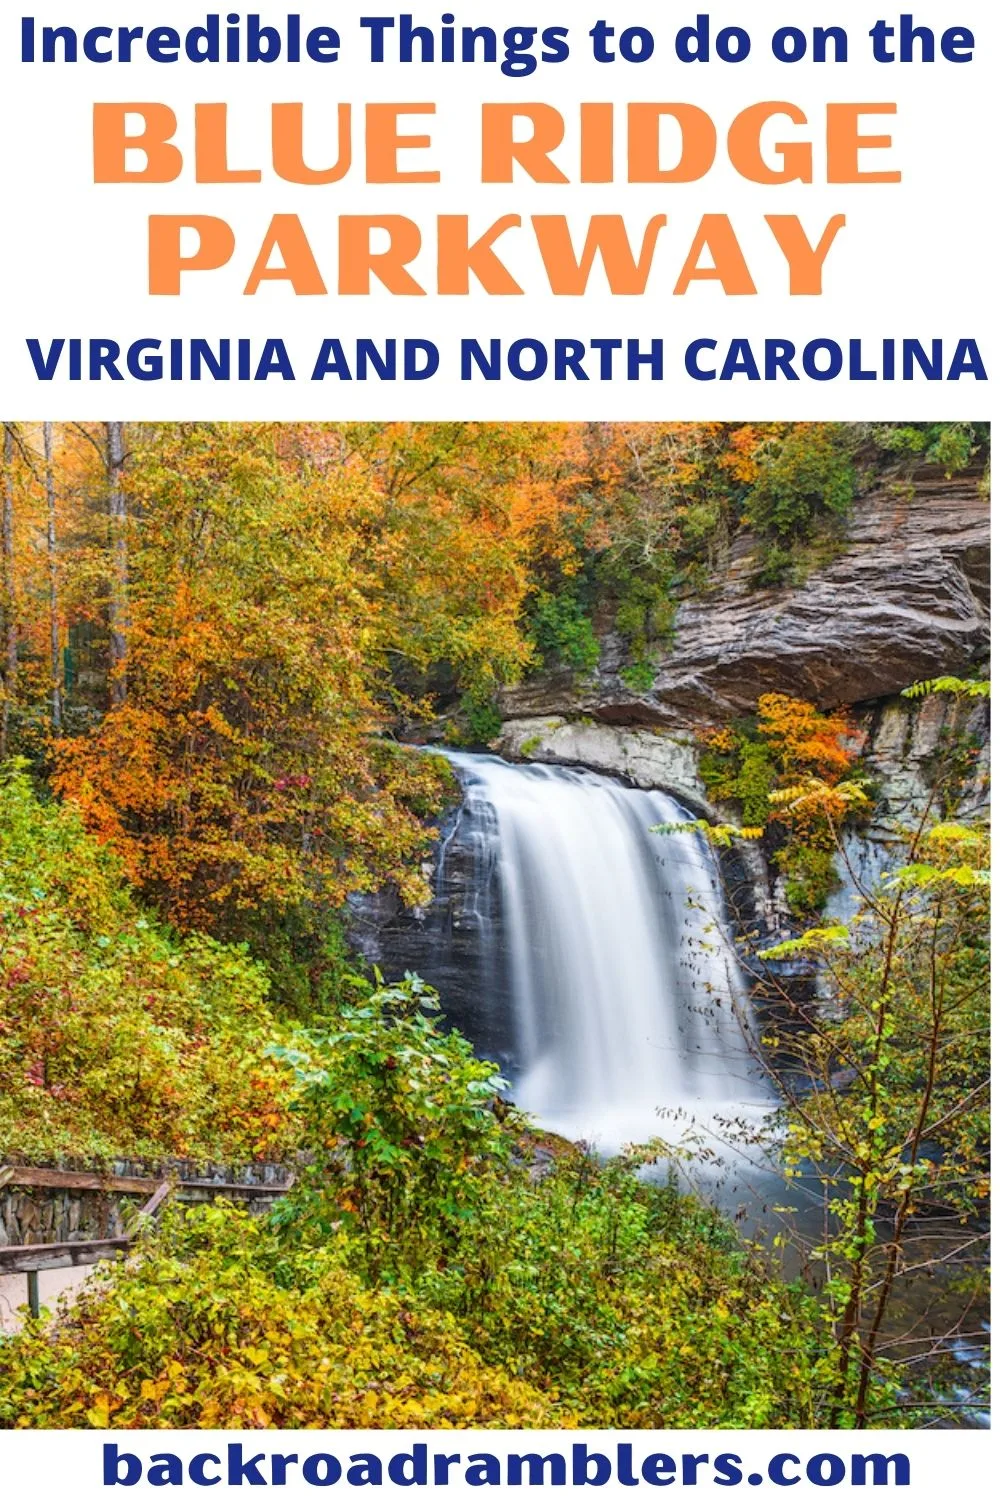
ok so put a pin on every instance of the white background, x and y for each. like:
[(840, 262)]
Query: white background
[(915, 260), (70, 1464)]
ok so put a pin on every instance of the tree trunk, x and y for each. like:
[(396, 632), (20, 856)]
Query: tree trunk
[(50, 496), (118, 619), (9, 597)]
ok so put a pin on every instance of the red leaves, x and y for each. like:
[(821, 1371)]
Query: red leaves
[(283, 783)]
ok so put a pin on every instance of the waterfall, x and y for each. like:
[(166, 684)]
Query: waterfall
[(608, 941)]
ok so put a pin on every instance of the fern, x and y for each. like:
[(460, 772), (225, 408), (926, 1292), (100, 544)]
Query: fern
[(719, 835), (961, 687)]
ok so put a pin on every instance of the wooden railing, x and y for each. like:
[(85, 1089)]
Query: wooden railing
[(30, 1259)]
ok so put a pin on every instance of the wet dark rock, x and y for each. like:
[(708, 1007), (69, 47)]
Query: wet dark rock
[(441, 941)]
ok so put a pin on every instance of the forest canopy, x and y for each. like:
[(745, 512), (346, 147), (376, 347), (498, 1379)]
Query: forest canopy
[(213, 633)]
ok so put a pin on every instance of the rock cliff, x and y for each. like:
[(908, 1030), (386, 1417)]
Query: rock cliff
[(905, 599)]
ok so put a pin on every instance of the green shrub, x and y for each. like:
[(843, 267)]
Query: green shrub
[(737, 765), (562, 631), (755, 780), (637, 1305), (306, 954), (809, 477), (951, 444), (481, 716), (810, 877), (795, 769), (221, 1324), (645, 613), (394, 1113), (116, 1037), (585, 1299), (639, 676), (775, 563), (422, 1273)]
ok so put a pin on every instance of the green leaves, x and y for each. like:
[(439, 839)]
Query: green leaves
[(959, 687), (397, 1114), (927, 877), (583, 1298), (116, 1037), (806, 478), (792, 769), (814, 940), (891, 1107), (561, 629), (951, 444)]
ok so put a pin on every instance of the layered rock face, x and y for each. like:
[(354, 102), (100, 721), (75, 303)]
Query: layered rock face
[(902, 744), (647, 758), (906, 599)]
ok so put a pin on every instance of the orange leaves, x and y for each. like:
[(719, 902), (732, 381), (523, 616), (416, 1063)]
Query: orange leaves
[(806, 741), (293, 593), (794, 769), (242, 768), (741, 457), (813, 803), (814, 754)]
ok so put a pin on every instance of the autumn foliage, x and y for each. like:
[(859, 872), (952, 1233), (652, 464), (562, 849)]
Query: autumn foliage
[(117, 1038), (792, 770), (214, 632)]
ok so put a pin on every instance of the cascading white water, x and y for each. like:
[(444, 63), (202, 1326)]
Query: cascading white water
[(626, 999)]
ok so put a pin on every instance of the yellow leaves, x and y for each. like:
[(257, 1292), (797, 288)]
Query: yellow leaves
[(719, 835), (956, 833), (723, 741), (101, 1410), (965, 875), (813, 940), (961, 687), (152, 1045), (671, 1337), (295, 591), (814, 799)]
